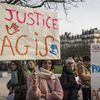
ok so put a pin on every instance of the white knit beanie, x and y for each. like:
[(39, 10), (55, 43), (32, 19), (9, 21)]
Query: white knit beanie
[(70, 60)]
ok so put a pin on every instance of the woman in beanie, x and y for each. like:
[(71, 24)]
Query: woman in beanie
[(68, 81)]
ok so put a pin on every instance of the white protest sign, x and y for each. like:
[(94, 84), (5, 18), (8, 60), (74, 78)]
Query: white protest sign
[(27, 33), (95, 71)]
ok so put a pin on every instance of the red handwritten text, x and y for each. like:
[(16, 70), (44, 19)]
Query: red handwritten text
[(32, 18)]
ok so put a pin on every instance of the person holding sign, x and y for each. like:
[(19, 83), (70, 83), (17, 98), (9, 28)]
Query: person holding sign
[(43, 84)]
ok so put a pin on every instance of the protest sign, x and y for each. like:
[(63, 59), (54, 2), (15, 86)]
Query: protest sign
[(27, 33), (95, 71)]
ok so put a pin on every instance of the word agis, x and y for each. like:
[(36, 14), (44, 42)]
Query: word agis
[(8, 44)]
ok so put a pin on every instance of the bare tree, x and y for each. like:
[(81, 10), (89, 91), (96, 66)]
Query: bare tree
[(49, 4), (73, 51)]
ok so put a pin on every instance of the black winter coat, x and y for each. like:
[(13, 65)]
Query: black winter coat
[(68, 83), (21, 87)]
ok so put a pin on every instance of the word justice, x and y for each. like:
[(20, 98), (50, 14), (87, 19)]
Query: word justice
[(7, 44), (32, 18)]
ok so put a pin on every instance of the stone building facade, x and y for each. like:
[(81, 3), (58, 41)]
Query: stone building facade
[(86, 37)]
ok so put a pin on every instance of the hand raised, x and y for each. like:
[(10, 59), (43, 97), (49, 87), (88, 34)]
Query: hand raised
[(34, 78)]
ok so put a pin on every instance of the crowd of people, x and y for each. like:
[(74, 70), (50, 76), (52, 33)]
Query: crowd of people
[(37, 80)]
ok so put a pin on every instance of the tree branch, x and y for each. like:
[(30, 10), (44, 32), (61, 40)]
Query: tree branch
[(49, 4), (55, 1)]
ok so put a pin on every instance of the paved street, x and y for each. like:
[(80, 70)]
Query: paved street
[(3, 88)]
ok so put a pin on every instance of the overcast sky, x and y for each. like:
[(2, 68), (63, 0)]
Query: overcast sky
[(86, 16)]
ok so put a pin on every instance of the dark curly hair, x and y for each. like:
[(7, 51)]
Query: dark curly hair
[(17, 63)]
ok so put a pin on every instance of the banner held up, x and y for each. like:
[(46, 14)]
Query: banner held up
[(27, 33)]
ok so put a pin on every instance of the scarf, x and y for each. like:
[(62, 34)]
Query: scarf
[(43, 73), (14, 77)]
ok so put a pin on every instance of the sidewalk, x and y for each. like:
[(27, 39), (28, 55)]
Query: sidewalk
[(3, 87)]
